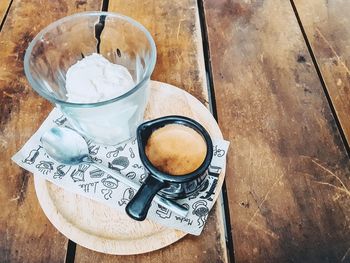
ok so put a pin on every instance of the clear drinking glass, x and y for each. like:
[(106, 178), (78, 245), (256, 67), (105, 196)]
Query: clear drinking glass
[(122, 41)]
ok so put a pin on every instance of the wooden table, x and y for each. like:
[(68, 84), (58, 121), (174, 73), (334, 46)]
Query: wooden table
[(275, 75)]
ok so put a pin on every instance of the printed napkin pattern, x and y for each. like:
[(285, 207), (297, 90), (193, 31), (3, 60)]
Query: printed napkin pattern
[(86, 180)]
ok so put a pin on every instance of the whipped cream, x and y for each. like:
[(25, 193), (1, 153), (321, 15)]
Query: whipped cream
[(95, 79)]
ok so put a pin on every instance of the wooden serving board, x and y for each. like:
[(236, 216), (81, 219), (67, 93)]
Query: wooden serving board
[(101, 228)]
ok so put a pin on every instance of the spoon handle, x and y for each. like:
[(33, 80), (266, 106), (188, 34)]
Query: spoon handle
[(169, 204)]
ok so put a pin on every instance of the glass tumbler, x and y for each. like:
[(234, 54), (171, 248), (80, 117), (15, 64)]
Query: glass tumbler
[(119, 39)]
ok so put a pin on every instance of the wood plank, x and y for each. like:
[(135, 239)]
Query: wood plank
[(25, 233), (4, 5), (288, 171), (175, 27), (326, 24)]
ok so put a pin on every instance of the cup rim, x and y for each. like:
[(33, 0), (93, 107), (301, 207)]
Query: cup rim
[(161, 122), (48, 96)]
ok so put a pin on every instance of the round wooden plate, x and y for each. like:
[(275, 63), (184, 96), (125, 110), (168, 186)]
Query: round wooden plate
[(101, 228)]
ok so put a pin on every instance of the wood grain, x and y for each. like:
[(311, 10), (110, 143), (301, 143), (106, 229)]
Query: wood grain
[(25, 233), (174, 25), (288, 172), (326, 25), (4, 5)]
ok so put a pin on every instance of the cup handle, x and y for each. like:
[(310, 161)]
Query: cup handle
[(139, 205)]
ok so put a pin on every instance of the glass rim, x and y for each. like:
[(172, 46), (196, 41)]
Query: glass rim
[(39, 36)]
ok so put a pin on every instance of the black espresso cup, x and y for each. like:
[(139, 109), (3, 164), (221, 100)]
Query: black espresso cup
[(163, 183)]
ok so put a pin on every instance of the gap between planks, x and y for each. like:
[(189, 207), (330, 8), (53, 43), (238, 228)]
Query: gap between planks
[(323, 83), (212, 106), (5, 15)]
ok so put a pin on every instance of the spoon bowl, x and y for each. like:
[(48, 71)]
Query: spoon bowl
[(65, 145)]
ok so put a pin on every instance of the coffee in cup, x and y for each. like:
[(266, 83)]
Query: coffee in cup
[(176, 149)]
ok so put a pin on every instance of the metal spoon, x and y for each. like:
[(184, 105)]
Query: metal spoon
[(68, 147)]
